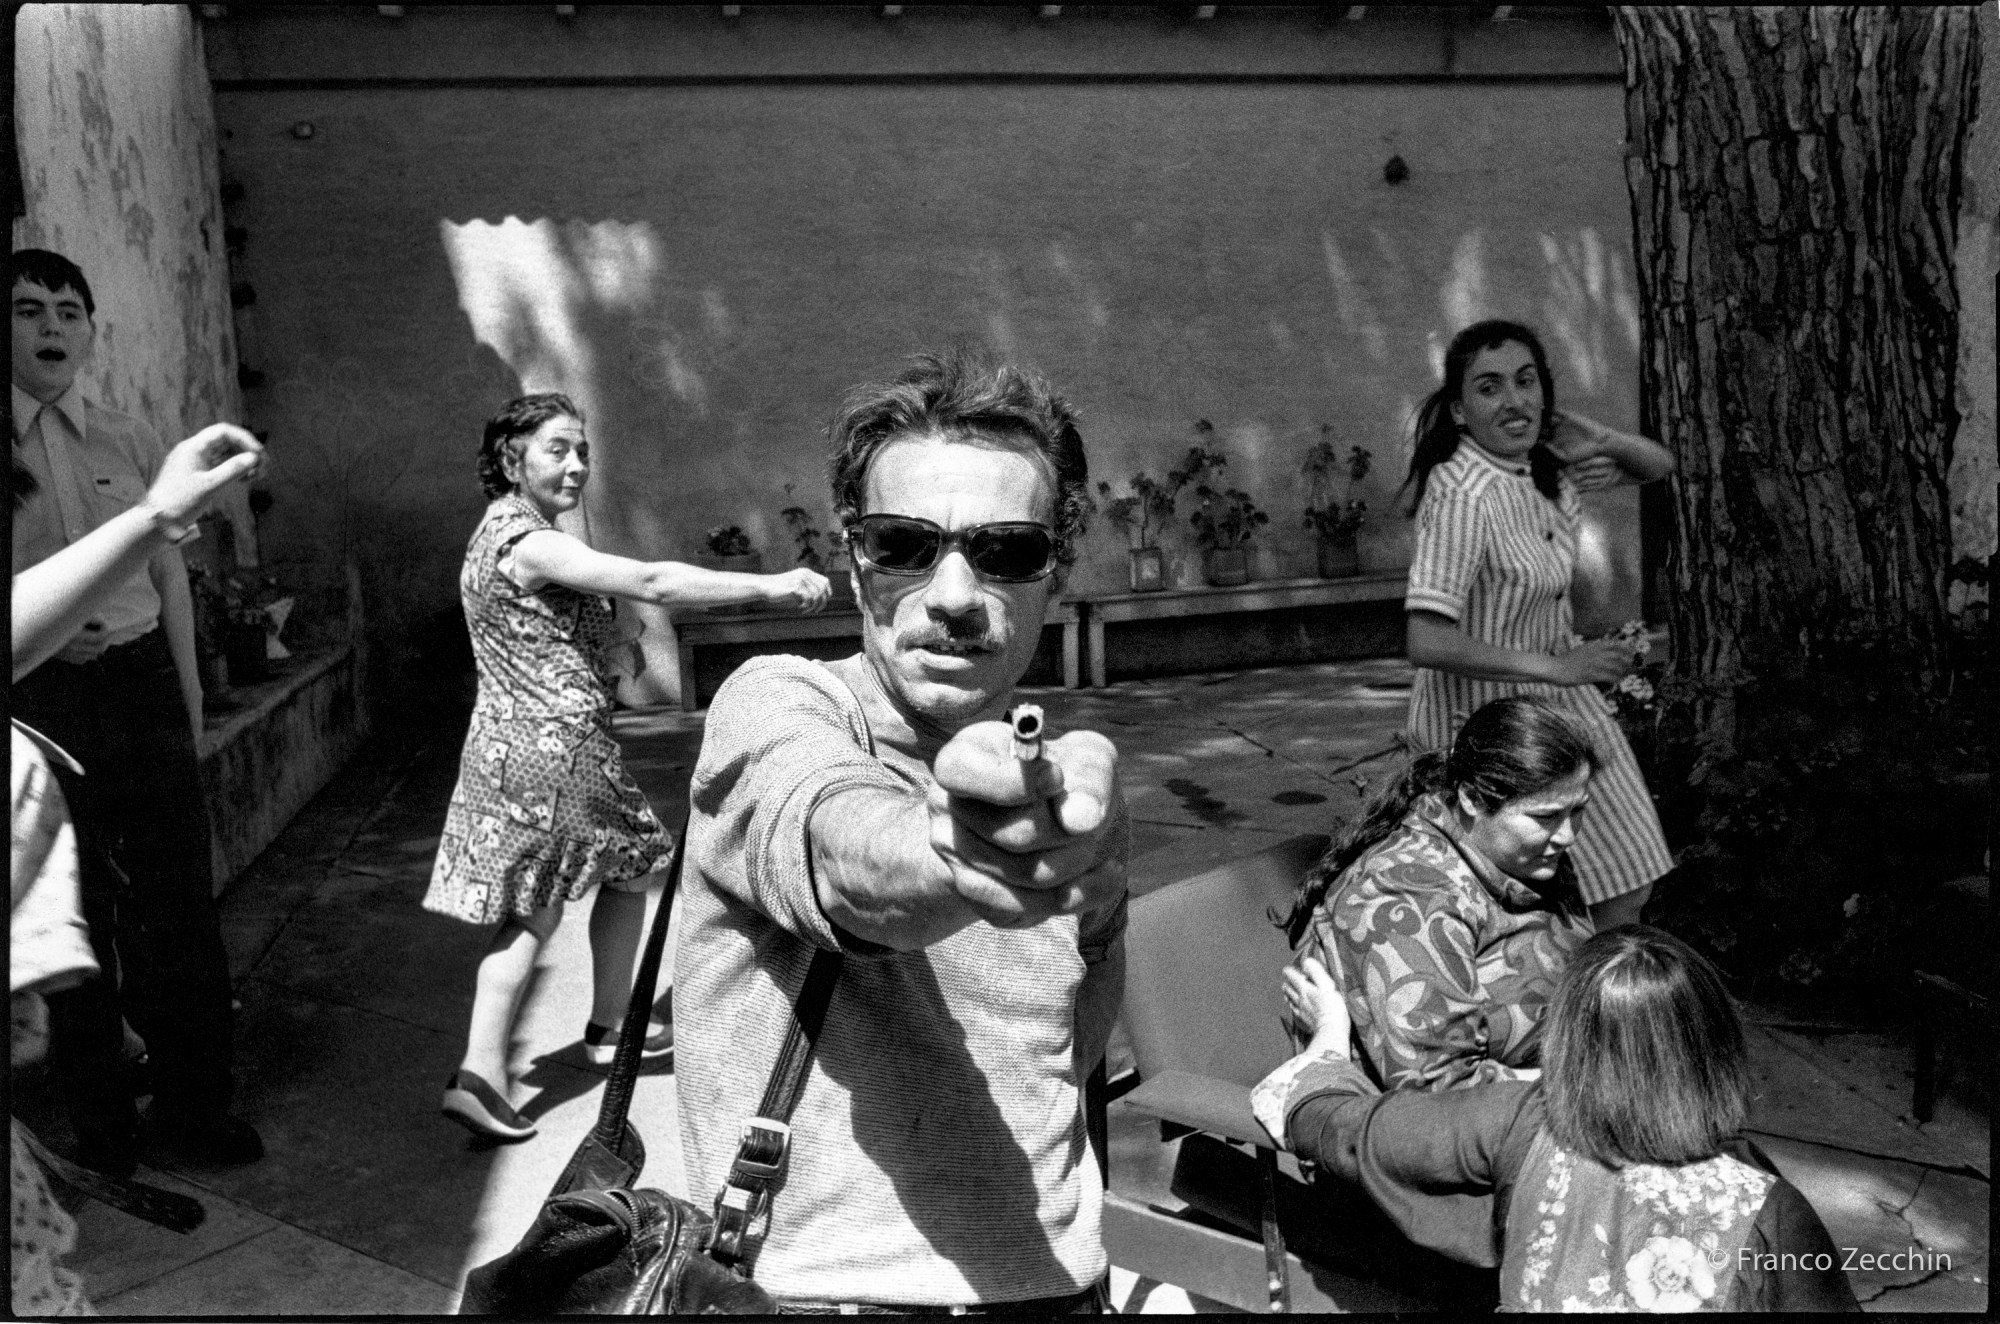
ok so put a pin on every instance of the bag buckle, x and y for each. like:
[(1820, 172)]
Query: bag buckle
[(745, 1197), (762, 1151)]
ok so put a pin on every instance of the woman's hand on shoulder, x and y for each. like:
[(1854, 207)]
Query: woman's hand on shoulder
[(802, 590), (1317, 1007)]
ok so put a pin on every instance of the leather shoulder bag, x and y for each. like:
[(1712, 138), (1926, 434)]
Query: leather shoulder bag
[(602, 1247)]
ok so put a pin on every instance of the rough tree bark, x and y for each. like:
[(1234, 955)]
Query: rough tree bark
[(1795, 178)]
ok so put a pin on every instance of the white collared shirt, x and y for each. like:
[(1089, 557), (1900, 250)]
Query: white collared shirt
[(90, 463)]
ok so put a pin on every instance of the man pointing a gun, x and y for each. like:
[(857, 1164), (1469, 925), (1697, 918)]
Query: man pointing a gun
[(969, 871)]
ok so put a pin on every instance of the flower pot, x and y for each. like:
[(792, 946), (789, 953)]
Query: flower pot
[(1149, 569), (1228, 566), (747, 563), (1338, 558), (243, 647)]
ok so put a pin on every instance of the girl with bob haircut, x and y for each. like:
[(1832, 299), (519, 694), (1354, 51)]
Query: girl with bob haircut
[(1449, 911), (544, 811), (1619, 1180), (1497, 472)]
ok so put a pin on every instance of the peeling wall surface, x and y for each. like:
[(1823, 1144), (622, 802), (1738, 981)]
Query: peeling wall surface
[(117, 139), (707, 229), (1975, 465)]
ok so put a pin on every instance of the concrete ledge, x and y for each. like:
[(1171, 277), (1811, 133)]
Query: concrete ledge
[(271, 747)]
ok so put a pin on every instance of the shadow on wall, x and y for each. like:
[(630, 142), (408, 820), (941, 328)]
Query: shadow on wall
[(349, 492), (579, 307)]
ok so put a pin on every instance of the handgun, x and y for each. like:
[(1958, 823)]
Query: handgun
[(1026, 719)]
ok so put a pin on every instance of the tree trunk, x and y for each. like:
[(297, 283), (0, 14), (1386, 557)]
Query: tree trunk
[(1795, 178)]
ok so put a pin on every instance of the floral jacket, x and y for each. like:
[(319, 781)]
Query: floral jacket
[(1446, 962), (1723, 1233)]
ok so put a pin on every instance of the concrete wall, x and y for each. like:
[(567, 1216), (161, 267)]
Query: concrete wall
[(706, 229), (117, 139)]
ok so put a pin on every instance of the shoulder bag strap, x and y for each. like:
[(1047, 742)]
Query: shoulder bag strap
[(610, 1128), (743, 1204)]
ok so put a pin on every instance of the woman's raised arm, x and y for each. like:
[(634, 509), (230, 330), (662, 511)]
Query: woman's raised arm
[(1600, 456), (549, 556)]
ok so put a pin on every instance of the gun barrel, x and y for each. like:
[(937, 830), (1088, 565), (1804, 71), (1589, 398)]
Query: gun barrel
[(1026, 720)]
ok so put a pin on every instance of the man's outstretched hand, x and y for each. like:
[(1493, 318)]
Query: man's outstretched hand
[(1024, 840)]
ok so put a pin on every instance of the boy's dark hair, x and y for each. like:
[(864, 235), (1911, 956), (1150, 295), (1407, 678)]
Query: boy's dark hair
[(52, 271)]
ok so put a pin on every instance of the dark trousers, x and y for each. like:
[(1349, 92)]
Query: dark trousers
[(143, 852)]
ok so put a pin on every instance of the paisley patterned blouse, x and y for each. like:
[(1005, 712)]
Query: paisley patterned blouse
[(1447, 963), (1570, 1234)]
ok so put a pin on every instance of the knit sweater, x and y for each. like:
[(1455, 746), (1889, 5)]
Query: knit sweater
[(939, 1154)]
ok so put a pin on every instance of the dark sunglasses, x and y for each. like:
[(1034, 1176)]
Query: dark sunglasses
[(1011, 553)]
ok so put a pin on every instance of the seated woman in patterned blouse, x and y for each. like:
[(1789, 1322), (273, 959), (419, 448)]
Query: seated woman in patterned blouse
[(1449, 912), (1619, 1180)]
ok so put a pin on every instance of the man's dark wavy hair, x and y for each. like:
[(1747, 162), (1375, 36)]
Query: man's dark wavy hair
[(52, 271), (960, 396), (518, 418)]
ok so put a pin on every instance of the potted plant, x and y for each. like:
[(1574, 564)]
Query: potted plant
[(729, 549), (1143, 513), (816, 551), (1224, 522), (234, 624), (1333, 521)]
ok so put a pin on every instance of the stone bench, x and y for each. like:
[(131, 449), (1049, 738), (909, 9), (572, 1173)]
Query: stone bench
[(1278, 595), (268, 748), (741, 635)]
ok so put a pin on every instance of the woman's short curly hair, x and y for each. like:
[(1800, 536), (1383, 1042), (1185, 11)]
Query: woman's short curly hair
[(518, 418), (957, 395)]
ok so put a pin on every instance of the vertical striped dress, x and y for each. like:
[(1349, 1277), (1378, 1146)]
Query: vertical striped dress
[(1496, 557)]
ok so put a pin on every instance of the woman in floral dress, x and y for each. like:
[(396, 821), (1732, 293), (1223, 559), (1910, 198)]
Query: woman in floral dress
[(1620, 1179), (544, 811), (1496, 473)]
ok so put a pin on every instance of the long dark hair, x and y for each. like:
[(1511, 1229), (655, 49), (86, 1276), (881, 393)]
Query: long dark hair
[(1511, 747), (1437, 431), (1643, 1059)]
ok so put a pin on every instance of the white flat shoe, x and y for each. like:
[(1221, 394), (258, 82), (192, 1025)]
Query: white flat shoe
[(600, 1043), (479, 1108)]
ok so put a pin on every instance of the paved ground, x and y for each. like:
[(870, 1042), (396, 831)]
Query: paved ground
[(354, 1003)]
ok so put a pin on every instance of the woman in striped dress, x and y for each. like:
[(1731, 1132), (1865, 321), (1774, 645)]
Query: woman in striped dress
[(1496, 474)]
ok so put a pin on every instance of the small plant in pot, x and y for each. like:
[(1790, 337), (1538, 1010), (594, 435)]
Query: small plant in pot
[(1335, 521), (729, 549), (816, 551), (1223, 525), (1143, 513)]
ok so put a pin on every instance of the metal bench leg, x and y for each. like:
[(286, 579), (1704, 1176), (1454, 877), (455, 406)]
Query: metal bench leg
[(1923, 1100), (1276, 1271)]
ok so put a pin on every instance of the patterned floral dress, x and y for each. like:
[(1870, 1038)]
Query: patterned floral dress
[(543, 808)]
